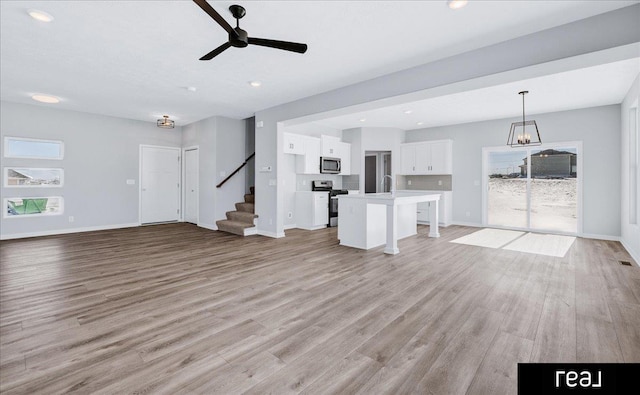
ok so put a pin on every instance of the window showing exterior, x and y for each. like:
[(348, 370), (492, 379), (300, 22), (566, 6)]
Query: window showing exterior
[(33, 177), (19, 147), (33, 206)]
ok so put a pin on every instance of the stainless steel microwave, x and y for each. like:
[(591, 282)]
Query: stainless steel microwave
[(329, 165)]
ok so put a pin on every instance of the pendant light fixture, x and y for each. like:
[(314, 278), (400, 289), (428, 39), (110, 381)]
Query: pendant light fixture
[(166, 123), (520, 135)]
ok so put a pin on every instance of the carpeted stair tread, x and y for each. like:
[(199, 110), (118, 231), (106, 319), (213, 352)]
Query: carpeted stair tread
[(241, 216), (235, 227), (247, 207), (249, 198)]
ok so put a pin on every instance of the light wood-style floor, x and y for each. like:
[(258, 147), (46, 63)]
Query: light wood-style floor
[(178, 309)]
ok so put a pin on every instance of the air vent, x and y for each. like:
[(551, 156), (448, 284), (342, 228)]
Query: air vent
[(625, 263)]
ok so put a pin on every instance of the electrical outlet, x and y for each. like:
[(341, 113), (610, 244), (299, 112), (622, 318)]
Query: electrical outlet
[(304, 182), (409, 182), (439, 182), (468, 213), (71, 219)]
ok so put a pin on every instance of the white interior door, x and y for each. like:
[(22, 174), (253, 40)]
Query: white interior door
[(191, 186), (159, 184)]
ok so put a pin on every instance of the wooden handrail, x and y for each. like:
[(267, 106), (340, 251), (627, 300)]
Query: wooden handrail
[(236, 170)]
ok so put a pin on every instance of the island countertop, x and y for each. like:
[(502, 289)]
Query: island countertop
[(360, 225), (396, 198)]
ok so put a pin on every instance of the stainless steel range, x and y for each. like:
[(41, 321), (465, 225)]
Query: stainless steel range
[(327, 185)]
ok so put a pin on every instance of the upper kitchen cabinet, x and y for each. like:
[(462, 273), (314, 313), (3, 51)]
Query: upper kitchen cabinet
[(332, 147), (426, 158), (293, 143), (309, 162)]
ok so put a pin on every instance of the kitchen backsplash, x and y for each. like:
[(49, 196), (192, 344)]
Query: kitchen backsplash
[(425, 183), (303, 181), (351, 182)]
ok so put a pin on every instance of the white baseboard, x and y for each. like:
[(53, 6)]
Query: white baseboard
[(634, 255), (208, 226), (271, 234), (250, 231), (290, 226), (66, 231), (599, 237), (471, 224)]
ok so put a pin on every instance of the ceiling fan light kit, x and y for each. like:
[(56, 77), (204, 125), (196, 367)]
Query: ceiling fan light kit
[(239, 38), (520, 135)]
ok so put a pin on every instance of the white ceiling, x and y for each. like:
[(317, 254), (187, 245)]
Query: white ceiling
[(134, 59), (582, 88)]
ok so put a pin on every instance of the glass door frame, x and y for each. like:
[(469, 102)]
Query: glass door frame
[(486, 151)]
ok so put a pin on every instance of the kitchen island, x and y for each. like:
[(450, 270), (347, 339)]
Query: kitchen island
[(370, 220)]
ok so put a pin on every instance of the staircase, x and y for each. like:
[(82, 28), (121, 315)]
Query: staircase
[(242, 221)]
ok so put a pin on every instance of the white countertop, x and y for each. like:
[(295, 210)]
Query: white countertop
[(397, 198)]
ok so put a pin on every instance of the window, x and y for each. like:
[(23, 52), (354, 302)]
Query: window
[(33, 177), (18, 147), (33, 206)]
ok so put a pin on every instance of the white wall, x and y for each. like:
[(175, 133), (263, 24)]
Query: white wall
[(630, 232), (100, 154), (599, 130), (550, 51), (222, 145)]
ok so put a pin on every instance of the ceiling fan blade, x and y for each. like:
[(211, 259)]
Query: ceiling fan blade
[(287, 46), (216, 51), (214, 14)]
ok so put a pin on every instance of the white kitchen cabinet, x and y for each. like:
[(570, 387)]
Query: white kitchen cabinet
[(293, 143), (426, 158), (312, 210), (309, 161), (445, 209), (344, 153), (330, 146)]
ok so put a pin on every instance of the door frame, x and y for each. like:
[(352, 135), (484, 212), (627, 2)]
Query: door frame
[(142, 146), (579, 182), (184, 183)]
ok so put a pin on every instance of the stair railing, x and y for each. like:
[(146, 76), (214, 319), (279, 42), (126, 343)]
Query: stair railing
[(236, 170)]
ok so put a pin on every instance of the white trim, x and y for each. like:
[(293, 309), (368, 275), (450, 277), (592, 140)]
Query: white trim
[(270, 234), (184, 184), (208, 226), (250, 231), (635, 256), (528, 149), (599, 237), (60, 211), (290, 226), (66, 231), (140, 180), (6, 148), (14, 168), (471, 224)]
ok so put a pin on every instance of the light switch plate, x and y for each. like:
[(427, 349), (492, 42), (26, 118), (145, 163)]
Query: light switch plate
[(131, 182)]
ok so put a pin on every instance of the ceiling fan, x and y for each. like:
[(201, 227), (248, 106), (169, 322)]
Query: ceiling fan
[(239, 38)]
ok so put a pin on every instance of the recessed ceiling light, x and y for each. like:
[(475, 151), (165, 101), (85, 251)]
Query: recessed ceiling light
[(255, 84), (419, 123), (46, 99), (408, 112), (456, 4), (40, 15), (363, 119)]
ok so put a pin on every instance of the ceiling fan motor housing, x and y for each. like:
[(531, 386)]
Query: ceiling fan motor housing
[(241, 40)]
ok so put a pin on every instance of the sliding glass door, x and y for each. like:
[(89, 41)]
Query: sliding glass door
[(535, 188)]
